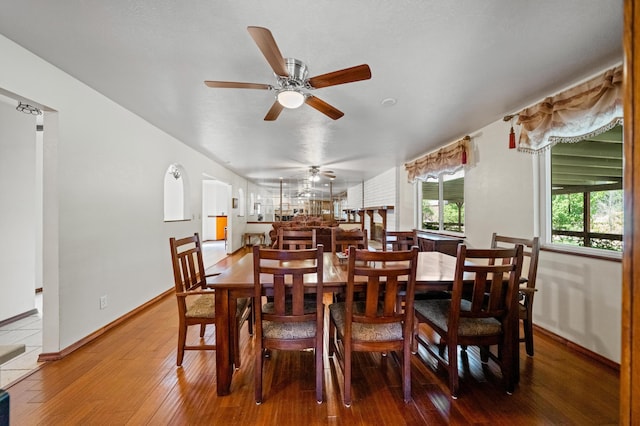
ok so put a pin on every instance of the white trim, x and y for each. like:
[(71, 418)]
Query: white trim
[(584, 251)]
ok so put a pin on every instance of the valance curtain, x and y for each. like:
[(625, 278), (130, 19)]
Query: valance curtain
[(583, 111), (445, 160)]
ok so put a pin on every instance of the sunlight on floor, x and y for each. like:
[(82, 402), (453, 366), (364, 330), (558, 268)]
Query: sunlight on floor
[(212, 252), (27, 331)]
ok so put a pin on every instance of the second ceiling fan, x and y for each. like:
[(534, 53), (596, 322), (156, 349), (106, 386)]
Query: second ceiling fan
[(292, 81)]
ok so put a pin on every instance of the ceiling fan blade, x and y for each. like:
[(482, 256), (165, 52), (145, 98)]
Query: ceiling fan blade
[(328, 174), (274, 112), (267, 45), (235, 85), (347, 75), (323, 107)]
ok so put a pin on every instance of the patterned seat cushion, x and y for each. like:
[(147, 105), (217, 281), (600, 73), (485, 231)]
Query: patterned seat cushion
[(202, 306), (288, 330), (361, 331), (438, 312)]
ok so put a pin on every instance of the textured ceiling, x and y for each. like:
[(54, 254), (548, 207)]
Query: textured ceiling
[(452, 66)]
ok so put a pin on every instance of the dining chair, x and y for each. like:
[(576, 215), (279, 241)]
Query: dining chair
[(288, 322), (293, 239), (399, 240), (342, 239), (491, 278), (374, 324), (527, 291), (196, 301)]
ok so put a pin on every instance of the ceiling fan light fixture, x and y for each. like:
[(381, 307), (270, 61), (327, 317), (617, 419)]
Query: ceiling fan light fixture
[(290, 98)]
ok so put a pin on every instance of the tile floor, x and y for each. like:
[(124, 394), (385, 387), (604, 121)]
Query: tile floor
[(29, 330)]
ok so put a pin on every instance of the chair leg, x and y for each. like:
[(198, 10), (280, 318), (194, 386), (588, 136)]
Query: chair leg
[(528, 335), (319, 368), (484, 354), (182, 339), (414, 338), (347, 374), (406, 370), (332, 337), (453, 370), (236, 344), (250, 319), (203, 328), (258, 373), (506, 367)]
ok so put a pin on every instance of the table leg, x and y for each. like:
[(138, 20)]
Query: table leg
[(224, 360), (516, 350)]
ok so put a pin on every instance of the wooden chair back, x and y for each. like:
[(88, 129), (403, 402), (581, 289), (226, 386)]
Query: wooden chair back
[(488, 295), (292, 239), (531, 251), (188, 266), (399, 240), (342, 239)]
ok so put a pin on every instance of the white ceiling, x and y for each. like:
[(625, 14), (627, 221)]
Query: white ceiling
[(453, 67)]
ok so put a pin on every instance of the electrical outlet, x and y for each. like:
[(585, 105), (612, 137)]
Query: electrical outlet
[(103, 302)]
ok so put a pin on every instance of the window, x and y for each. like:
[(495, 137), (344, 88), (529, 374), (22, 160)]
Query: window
[(442, 203), (586, 192)]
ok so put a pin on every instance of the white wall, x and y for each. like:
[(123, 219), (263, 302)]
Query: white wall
[(106, 191), (498, 188), (18, 212), (354, 197)]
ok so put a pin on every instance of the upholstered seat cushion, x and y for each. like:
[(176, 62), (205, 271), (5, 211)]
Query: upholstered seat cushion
[(289, 330), (202, 306), (365, 332), (438, 312)]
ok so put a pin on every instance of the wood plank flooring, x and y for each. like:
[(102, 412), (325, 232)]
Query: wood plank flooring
[(128, 376)]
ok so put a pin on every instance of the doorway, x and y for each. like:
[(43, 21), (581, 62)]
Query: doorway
[(216, 223)]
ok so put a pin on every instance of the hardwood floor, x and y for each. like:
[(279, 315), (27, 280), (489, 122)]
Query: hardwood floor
[(128, 376)]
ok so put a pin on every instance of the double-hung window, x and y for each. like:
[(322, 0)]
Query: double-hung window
[(586, 202), (441, 203)]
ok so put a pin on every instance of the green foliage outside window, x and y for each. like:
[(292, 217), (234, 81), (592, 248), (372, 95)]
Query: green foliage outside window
[(567, 211), (606, 217)]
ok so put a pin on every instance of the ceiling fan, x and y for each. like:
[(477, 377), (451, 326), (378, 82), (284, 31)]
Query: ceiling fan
[(315, 173), (292, 81)]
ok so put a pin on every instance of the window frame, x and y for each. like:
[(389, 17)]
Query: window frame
[(418, 210), (545, 218)]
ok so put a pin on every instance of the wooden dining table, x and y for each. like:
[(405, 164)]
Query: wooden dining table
[(434, 271)]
